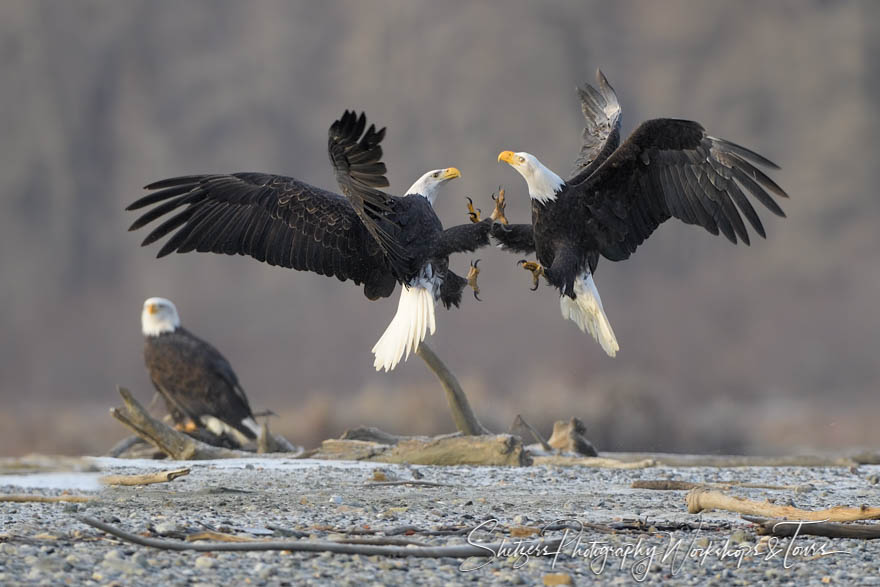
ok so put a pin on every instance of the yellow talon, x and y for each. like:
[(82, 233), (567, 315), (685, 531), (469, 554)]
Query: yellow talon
[(500, 205), (473, 272), (473, 214), (536, 269)]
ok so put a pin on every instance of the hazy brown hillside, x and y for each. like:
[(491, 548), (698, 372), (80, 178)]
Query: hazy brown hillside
[(723, 347)]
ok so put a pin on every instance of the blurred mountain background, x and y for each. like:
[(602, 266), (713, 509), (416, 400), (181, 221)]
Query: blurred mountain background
[(752, 349)]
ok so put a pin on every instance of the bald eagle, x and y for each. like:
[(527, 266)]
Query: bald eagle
[(365, 235), (619, 194), (197, 383)]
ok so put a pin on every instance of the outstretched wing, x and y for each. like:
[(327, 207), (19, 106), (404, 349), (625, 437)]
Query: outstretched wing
[(602, 132), (672, 168), (277, 220), (463, 238), (357, 160)]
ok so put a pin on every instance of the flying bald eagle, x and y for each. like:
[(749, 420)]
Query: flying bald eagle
[(619, 194), (365, 235), (197, 383)]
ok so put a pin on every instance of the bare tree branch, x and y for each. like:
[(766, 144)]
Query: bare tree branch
[(463, 551), (465, 420)]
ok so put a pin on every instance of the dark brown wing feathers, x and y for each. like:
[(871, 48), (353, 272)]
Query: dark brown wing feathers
[(672, 168), (275, 219)]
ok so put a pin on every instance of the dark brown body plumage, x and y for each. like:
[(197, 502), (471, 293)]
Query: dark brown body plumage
[(195, 380)]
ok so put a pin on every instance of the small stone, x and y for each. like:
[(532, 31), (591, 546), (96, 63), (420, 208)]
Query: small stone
[(34, 574), (204, 562), (114, 555), (6, 548), (336, 499), (558, 579), (164, 528)]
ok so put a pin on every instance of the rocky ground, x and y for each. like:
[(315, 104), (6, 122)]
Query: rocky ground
[(45, 543)]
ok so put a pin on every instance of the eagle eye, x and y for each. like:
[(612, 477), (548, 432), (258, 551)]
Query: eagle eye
[(435, 174), (521, 159)]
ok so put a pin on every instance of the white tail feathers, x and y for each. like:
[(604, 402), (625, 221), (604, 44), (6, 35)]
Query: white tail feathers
[(219, 427), (414, 318), (586, 311)]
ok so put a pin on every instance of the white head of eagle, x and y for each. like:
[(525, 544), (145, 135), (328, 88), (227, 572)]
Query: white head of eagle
[(543, 183), (428, 184), (158, 317)]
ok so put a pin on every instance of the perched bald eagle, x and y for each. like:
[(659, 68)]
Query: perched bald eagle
[(197, 383), (365, 235), (619, 194)]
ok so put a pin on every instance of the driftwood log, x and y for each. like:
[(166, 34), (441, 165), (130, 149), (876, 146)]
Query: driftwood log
[(571, 436), (701, 499), (722, 461), (171, 442), (456, 551), (783, 528), (500, 449), (595, 462), (673, 485), (27, 498)]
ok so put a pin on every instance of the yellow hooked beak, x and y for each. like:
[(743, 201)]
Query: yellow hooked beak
[(451, 173), (507, 156), (153, 308)]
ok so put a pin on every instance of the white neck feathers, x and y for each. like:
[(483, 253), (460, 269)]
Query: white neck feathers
[(425, 186), (544, 185)]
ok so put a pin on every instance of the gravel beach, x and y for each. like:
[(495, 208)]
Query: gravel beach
[(280, 499)]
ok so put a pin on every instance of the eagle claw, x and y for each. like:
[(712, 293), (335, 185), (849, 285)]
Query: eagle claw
[(473, 214), (473, 272), (537, 271), (500, 205)]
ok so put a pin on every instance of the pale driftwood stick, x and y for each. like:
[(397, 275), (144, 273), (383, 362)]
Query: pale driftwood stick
[(219, 537), (145, 478), (785, 528), (411, 482), (47, 498), (463, 551), (678, 460), (598, 462), (670, 485), (465, 420), (701, 498), (520, 421)]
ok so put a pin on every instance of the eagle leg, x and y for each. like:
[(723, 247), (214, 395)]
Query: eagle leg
[(473, 272), (500, 205), (537, 271), (473, 214)]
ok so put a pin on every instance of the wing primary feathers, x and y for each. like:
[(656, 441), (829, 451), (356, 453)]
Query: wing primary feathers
[(154, 213), (744, 153), (159, 196), (758, 192), (601, 135)]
